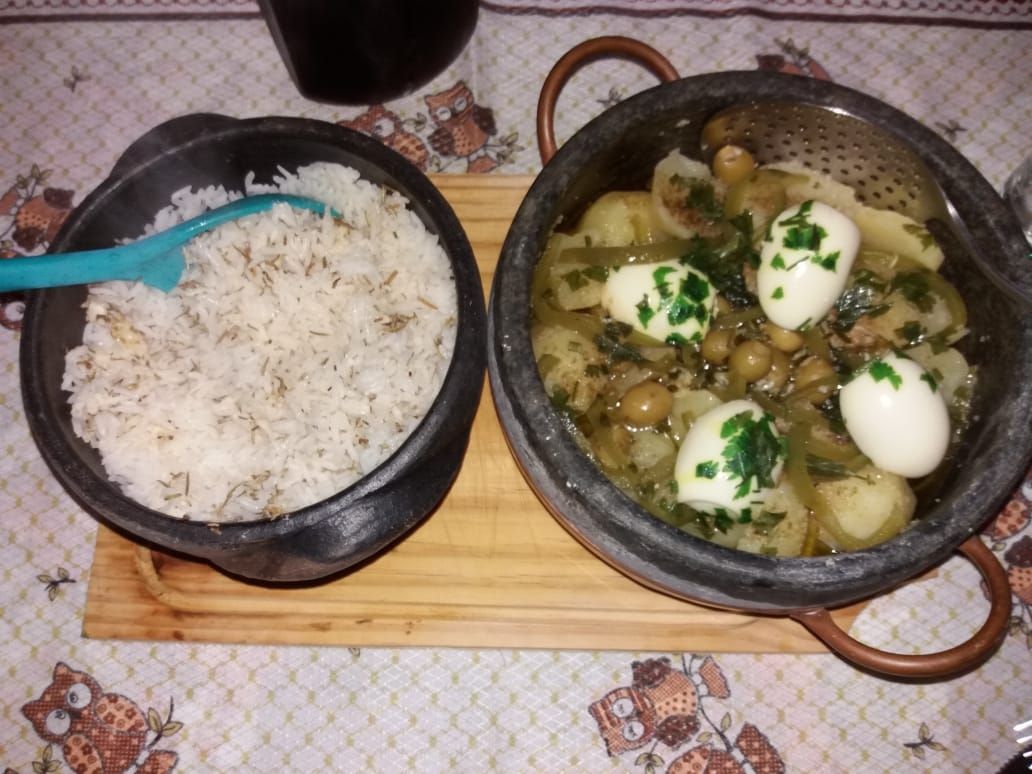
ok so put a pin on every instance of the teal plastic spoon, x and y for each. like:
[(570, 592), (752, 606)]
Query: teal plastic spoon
[(156, 260)]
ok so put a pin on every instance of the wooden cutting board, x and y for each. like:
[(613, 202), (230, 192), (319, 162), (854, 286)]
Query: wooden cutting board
[(490, 568)]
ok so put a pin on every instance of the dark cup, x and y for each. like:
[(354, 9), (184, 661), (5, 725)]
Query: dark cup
[(361, 52)]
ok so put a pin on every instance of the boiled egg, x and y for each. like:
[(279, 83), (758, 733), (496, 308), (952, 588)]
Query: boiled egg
[(730, 460), (896, 415), (804, 264), (668, 301)]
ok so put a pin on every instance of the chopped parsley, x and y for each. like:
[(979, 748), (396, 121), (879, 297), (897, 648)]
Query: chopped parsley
[(610, 343), (928, 379), (827, 262), (722, 263), (706, 469), (546, 363), (575, 279), (680, 304), (859, 300), (722, 520), (938, 342), (700, 314), (870, 279), (679, 309), (923, 235), (695, 287), (832, 411), (752, 452), (912, 332), (560, 400), (915, 289), (578, 278), (703, 200), (659, 276), (645, 312), (802, 233), (779, 293), (767, 521), (881, 371)]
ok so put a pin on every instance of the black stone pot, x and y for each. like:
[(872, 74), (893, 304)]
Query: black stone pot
[(986, 260), (344, 529)]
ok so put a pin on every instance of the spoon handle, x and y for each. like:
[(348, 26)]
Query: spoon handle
[(249, 205), (152, 259), (49, 271)]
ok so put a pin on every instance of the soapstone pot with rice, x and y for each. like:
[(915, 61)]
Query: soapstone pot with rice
[(892, 159), (346, 528)]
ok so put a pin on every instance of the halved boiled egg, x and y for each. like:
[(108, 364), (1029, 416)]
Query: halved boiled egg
[(730, 460), (895, 413), (668, 301), (804, 264)]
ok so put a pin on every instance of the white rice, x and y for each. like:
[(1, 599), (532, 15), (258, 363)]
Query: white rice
[(296, 354)]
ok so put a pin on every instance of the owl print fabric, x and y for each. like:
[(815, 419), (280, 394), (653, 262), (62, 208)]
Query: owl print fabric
[(82, 80), (455, 134), (667, 712), (97, 732)]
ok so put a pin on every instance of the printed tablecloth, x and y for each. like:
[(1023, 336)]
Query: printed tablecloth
[(80, 79)]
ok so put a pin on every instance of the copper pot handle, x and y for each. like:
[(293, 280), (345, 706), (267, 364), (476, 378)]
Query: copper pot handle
[(576, 58), (931, 665)]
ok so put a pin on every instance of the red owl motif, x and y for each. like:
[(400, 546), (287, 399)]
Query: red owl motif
[(713, 678), (661, 704), (99, 733), (29, 221), (389, 128), (1019, 572), (672, 695), (1011, 520), (626, 720), (37, 219), (792, 60), (463, 127), (751, 752)]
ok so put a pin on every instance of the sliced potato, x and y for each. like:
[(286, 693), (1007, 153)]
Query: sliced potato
[(892, 232), (789, 535), (653, 453), (621, 218), (763, 195), (949, 367), (865, 509), (688, 406), (672, 183), (879, 229), (569, 354), (889, 324), (732, 537), (577, 286), (807, 184)]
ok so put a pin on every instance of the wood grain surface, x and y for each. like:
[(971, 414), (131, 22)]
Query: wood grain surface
[(490, 567)]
